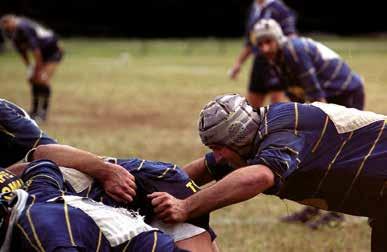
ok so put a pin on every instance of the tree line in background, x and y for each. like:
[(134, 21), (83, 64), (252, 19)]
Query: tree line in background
[(189, 18)]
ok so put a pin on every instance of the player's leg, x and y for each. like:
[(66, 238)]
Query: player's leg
[(257, 91), (197, 243), (47, 72), (152, 241)]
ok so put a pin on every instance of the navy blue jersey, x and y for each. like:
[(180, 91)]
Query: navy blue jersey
[(30, 36), (152, 176), (18, 134), (315, 69), (47, 226), (272, 9), (316, 165)]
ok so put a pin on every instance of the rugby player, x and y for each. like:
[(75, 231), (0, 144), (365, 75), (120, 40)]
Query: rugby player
[(309, 70), (48, 216), (18, 133), (27, 35), (324, 155), (259, 84), (150, 176)]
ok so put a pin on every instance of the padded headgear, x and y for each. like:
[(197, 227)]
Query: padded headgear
[(267, 28), (230, 121)]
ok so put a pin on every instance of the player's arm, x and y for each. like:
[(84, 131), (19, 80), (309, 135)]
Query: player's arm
[(242, 57), (238, 186), (198, 172), (37, 55), (116, 180)]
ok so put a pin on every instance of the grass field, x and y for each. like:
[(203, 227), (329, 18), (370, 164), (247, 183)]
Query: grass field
[(142, 98)]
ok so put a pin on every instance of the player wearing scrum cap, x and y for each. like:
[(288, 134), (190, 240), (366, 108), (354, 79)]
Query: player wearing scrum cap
[(309, 70), (318, 154), (259, 85), (27, 35)]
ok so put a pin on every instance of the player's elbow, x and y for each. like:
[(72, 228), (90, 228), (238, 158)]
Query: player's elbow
[(259, 178), (42, 151)]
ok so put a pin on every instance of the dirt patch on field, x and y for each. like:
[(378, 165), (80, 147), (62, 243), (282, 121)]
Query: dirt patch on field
[(102, 116)]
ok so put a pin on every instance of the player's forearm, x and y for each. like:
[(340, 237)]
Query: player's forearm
[(38, 59), (198, 172), (25, 58), (18, 168), (68, 156), (238, 186)]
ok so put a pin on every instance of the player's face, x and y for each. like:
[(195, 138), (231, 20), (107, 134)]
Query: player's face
[(224, 153), (8, 25), (269, 47)]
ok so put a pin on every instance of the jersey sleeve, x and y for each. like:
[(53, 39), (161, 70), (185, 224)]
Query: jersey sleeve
[(280, 153), (24, 131), (31, 36), (217, 170), (301, 65), (43, 179)]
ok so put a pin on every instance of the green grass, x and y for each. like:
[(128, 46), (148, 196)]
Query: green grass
[(142, 98)]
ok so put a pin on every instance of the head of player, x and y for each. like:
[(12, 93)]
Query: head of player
[(229, 126), (8, 23), (267, 35)]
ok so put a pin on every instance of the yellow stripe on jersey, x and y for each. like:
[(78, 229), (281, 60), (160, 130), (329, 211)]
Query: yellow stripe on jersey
[(36, 237), (38, 140), (155, 241), (163, 174), (331, 163), (140, 166), (295, 118), (126, 246), (99, 241), (26, 236), (6, 131), (321, 135), (362, 163), (68, 224)]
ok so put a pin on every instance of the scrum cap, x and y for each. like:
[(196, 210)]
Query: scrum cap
[(230, 121), (267, 28)]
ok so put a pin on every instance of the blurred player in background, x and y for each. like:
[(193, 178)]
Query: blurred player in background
[(29, 36), (259, 84), (18, 134), (310, 72)]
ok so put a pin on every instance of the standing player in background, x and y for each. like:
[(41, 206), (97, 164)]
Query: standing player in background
[(259, 85), (310, 72), (26, 35)]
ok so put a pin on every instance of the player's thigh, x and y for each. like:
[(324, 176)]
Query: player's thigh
[(48, 71), (201, 243)]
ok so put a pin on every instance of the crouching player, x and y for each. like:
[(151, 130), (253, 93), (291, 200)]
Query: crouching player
[(47, 216), (150, 176)]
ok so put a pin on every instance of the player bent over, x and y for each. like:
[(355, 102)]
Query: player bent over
[(29, 36)]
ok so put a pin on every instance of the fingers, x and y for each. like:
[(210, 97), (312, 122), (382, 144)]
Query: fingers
[(118, 194)]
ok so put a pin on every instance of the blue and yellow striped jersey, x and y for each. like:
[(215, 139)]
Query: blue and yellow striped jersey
[(18, 133), (319, 71), (315, 165)]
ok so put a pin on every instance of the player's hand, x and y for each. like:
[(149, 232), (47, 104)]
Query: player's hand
[(119, 184), (167, 208), (234, 71)]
